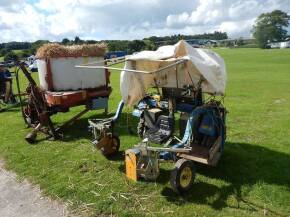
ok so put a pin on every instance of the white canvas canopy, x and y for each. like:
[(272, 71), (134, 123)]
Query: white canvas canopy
[(172, 66)]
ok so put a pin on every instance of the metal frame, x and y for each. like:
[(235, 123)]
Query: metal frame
[(122, 59)]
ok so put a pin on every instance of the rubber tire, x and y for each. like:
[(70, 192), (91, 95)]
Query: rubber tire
[(117, 147), (176, 173)]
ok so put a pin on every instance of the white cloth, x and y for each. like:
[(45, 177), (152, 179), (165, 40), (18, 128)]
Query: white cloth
[(202, 63)]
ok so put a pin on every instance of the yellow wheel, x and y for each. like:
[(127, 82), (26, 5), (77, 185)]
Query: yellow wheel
[(182, 176)]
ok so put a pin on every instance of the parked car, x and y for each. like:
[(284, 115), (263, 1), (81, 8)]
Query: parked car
[(33, 67)]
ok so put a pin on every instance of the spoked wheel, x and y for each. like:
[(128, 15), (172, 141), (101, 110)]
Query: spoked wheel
[(182, 176), (109, 145)]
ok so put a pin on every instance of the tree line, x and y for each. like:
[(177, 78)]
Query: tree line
[(268, 27), (151, 43)]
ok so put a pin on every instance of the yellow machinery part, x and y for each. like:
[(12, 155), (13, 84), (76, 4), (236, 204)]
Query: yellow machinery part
[(131, 165), (185, 177)]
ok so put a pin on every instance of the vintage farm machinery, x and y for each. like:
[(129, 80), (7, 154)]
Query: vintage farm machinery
[(203, 141), (188, 83), (63, 86), (105, 137)]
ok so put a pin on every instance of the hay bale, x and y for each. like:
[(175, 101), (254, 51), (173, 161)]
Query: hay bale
[(53, 50)]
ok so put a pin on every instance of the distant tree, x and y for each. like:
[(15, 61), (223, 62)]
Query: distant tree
[(269, 27), (77, 40), (3, 51), (164, 40), (136, 45), (91, 42), (149, 45), (35, 45), (17, 45), (10, 56), (116, 45), (65, 41)]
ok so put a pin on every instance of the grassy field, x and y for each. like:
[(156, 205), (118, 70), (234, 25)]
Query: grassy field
[(251, 179)]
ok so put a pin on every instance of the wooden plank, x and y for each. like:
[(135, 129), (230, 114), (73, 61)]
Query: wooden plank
[(215, 159), (214, 149), (194, 158), (206, 161)]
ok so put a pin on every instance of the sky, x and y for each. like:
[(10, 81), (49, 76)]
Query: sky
[(30, 20)]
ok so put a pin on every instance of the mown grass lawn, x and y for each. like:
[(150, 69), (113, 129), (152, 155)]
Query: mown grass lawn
[(251, 179)]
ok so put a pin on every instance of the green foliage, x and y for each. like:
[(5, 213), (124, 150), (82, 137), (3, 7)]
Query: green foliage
[(65, 41), (35, 45), (78, 40), (5, 48), (3, 51), (25, 53), (136, 45), (117, 45), (149, 45), (15, 45), (10, 56), (269, 27), (175, 38)]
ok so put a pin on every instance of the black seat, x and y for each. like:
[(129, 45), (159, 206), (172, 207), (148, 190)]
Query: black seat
[(161, 131)]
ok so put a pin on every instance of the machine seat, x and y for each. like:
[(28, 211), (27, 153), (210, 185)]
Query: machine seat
[(162, 130)]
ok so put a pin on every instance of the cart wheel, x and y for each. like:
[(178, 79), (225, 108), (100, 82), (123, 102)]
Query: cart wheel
[(112, 146), (182, 176)]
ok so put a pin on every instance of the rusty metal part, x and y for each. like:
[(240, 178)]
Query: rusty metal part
[(108, 144)]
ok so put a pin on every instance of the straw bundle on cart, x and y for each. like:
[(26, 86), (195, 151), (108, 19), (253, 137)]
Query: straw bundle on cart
[(54, 50)]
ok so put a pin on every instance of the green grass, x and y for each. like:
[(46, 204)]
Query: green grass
[(251, 179), (18, 51), (1, 58)]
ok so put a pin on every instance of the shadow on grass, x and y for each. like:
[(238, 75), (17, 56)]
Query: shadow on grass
[(79, 129), (7, 108), (241, 165), (119, 156)]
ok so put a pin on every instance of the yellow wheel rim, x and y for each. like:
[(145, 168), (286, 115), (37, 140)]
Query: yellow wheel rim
[(185, 177)]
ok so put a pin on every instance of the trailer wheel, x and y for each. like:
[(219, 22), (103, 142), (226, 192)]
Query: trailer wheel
[(111, 147), (182, 176)]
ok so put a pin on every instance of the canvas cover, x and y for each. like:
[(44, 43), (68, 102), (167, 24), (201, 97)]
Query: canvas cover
[(201, 63)]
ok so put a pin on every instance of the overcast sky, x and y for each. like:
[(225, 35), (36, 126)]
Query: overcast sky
[(30, 20)]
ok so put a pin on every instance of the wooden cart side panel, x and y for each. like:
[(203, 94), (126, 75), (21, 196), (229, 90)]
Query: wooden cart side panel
[(211, 158), (215, 148), (206, 161)]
